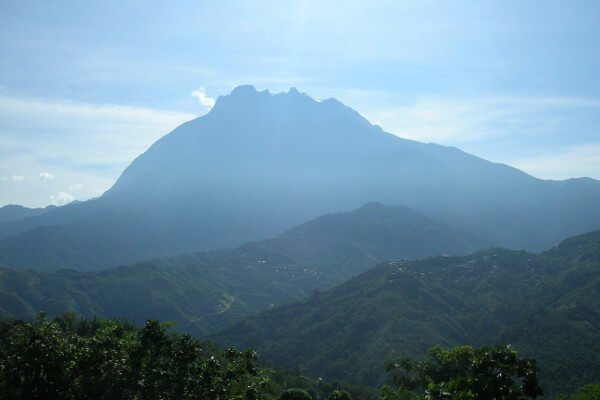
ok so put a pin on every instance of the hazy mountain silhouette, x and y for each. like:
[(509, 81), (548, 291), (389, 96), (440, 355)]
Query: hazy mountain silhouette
[(91, 242), (260, 163), (13, 212)]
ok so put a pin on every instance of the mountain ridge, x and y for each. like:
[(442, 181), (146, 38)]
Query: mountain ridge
[(259, 163), (14, 212), (193, 289), (545, 304)]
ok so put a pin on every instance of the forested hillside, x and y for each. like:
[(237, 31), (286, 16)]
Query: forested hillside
[(204, 292), (547, 305)]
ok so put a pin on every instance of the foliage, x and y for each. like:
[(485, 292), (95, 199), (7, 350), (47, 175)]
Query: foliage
[(388, 392), (546, 305), (294, 394), (468, 374), (205, 292), (586, 392), (111, 360), (339, 395), (75, 358), (319, 388)]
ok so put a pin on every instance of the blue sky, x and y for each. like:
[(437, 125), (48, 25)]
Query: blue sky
[(87, 86)]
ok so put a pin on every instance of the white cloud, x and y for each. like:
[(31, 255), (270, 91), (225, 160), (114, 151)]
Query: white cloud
[(46, 175), (78, 142), (75, 187), (13, 178), (62, 198), (204, 100), (582, 161)]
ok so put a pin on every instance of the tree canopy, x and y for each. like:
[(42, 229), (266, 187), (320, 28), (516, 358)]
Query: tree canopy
[(466, 373), (112, 360)]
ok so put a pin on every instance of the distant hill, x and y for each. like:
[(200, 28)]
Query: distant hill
[(206, 291), (352, 240), (547, 305), (13, 212), (260, 163), (92, 242)]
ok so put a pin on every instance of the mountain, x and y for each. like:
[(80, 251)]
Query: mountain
[(13, 212), (363, 237), (260, 163), (546, 305), (354, 240), (92, 242), (204, 292)]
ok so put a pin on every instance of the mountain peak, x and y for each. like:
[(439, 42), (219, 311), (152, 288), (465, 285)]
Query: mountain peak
[(248, 89), (248, 96), (244, 90), (247, 100), (295, 92), (247, 92)]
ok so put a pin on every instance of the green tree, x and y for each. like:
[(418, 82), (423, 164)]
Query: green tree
[(339, 395), (36, 361), (294, 394), (389, 392), (114, 360), (103, 368), (468, 374)]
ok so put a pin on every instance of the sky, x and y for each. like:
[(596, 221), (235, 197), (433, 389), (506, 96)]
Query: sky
[(85, 87)]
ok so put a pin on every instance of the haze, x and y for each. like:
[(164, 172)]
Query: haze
[(382, 200), (86, 87)]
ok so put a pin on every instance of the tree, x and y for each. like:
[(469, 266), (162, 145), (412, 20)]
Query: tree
[(468, 374), (52, 360), (294, 394), (339, 395), (36, 361)]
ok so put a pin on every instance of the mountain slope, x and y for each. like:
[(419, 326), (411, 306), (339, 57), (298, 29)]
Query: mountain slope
[(206, 291), (13, 212), (371, 234), (546, 305), (291, 158), (258, 164), (93, 242)]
